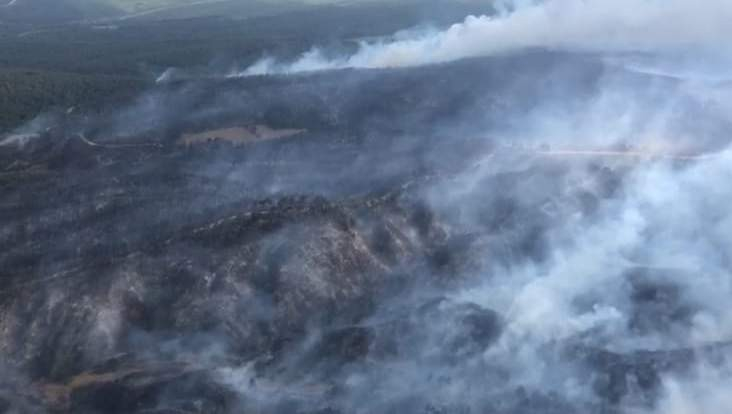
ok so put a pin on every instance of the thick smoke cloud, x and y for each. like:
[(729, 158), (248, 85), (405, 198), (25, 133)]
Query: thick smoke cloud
[(641, 269), (576, 256), (650, 26), (594, 204)]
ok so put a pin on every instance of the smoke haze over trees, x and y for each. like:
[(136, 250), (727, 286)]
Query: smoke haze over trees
[(513, 207)]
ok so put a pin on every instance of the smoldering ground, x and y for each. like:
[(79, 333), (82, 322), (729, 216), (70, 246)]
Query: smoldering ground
[(584, 282), (537, 232)]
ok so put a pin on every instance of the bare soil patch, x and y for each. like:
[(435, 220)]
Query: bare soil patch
[(238, 135)]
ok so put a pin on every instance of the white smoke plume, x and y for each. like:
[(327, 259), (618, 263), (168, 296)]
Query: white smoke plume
[(650, 26)]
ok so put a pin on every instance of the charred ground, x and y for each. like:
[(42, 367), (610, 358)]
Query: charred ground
[(319, 273), (503, 234)]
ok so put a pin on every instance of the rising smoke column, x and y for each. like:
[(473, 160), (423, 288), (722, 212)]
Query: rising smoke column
[(651, 26)]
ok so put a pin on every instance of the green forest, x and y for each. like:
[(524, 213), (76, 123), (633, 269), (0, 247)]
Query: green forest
[(87, 63)]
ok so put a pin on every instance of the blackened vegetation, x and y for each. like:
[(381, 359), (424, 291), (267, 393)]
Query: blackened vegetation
[(299, 275)]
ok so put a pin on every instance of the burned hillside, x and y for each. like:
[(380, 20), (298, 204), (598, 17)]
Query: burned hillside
[(533, 231)]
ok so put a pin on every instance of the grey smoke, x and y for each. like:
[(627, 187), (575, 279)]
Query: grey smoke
[(668, 214), (651, 26)]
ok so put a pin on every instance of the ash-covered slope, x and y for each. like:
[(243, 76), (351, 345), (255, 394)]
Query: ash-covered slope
[(462, 238)]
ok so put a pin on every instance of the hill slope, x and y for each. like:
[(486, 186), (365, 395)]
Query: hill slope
[(59, 11), (54, 11)]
